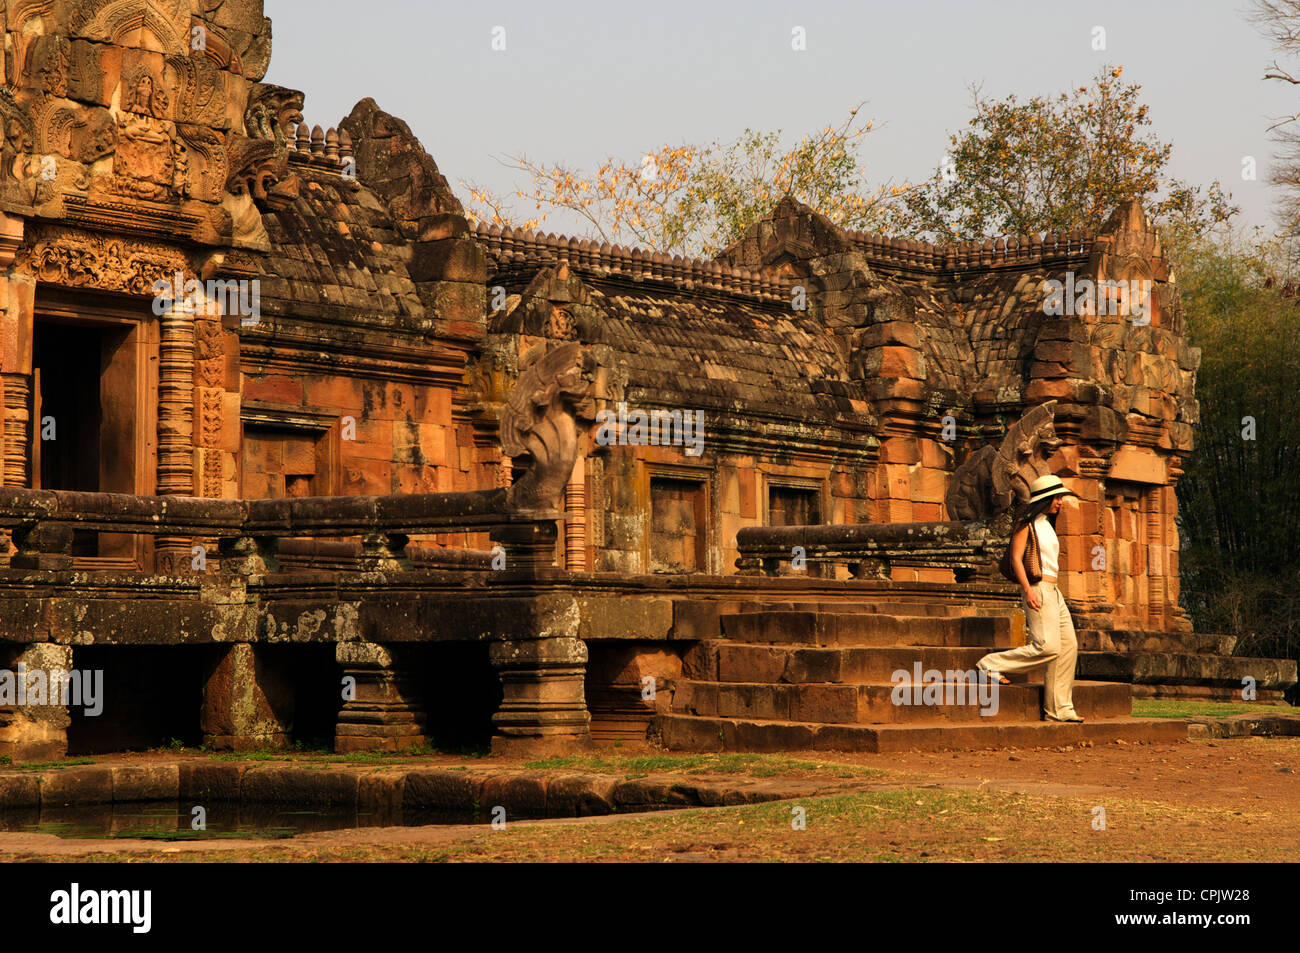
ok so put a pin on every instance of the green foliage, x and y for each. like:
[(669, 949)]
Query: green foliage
[(1239, 500), (1054, 164), (54, 765)]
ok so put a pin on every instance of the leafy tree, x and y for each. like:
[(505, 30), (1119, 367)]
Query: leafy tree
[(1239, 499), (1279, 20), (1054, 163), (698, 199)]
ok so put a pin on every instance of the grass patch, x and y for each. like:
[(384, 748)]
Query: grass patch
[(53, 765), (1175, 708)]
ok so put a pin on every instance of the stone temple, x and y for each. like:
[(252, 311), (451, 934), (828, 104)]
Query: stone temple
[(293, 452)]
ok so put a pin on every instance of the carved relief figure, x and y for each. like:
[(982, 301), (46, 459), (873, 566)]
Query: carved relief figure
[(149, 162)]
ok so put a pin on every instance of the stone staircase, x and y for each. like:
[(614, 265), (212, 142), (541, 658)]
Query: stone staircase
[(820, 676)]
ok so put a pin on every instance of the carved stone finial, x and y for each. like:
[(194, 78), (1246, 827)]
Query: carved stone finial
[(994, 478), (544, 418)]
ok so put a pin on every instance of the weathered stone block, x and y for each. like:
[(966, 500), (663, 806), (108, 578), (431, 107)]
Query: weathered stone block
[(449, 259)]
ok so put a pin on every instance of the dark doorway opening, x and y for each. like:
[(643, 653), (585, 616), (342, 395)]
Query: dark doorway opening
[(152, 697), (315, 682), (85, 416), (460, 690)]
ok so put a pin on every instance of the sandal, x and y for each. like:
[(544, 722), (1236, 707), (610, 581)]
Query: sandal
[(1002, 679), (1077, 719)]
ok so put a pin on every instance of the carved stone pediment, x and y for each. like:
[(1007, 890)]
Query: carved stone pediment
[(129, 22)]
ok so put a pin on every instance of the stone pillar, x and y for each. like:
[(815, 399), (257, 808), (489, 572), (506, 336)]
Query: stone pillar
[(245, 703), (575, 519), (34, 732), (176, 457), (544, 705), (381, 710), (17, 307), (17, 428), (1179, 621), (1153, 540)]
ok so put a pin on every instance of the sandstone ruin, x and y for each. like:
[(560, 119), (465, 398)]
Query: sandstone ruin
[(341, 479)]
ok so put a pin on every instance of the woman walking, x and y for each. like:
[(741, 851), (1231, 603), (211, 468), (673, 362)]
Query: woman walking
[(1048, 626)]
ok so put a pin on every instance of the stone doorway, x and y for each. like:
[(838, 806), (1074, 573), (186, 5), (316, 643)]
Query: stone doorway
[(93, 413)]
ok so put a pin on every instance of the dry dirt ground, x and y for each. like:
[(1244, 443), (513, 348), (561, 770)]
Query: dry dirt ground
[(1220, 800)]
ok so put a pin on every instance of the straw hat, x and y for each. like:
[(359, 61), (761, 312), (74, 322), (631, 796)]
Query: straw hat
[(1046, 486)]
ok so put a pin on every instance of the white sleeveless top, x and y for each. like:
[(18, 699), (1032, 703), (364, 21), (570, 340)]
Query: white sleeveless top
[(1049, 547)]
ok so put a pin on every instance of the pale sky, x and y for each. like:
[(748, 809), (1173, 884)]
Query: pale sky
[(578, 82)]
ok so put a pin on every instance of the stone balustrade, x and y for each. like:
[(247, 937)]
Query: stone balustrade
[(970, 550), (248, 531)]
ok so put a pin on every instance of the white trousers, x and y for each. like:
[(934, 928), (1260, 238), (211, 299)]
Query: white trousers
[(1050, 641)]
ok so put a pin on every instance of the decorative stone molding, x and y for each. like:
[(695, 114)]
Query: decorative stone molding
[(80, 259)]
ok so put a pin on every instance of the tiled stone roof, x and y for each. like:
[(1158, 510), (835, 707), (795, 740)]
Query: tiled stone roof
[(335, 252)]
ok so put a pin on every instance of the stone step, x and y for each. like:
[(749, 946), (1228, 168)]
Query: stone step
[(939, 608), (1168, 668), (746, 662), (1179, 643), (888, 704), (678, 732), (873, 629)]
